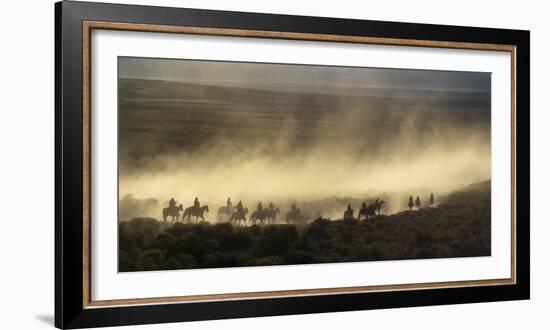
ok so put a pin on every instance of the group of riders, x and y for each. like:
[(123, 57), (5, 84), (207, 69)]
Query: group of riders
[(232, 214), (418, 204), (173, 211), (261, 215), (268, 215), (373, 208)]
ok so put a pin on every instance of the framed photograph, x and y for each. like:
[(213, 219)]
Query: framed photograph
[(215, 164)]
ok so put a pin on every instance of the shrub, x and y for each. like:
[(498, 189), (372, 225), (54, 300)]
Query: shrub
[(265, 261), (235, 241), (459, 227), (299, 257)]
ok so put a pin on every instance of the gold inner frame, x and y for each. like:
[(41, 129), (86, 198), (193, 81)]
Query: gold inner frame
[(88, 26)]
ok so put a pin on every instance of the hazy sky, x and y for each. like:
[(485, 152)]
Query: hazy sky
[(300, 78)]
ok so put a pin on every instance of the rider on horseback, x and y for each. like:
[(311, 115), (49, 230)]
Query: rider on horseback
[(293, 207), (229, 204), (172, 203), (260, 208), (271, 206), (240, 208)]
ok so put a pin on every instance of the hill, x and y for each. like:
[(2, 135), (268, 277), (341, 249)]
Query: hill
[(458, 227)]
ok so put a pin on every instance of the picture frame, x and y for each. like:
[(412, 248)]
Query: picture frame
[(74, 24)]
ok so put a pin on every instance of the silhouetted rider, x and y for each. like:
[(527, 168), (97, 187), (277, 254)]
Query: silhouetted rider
[(196, 203), (172, 203), (229, 204), (239, 207)]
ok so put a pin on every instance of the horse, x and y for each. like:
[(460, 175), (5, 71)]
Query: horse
[(258, 215), (378, 205), (367, 211), (224, 212), (272, 215), (237, 216), (292, 216), (373, 208), (173, 212), (196, 212)]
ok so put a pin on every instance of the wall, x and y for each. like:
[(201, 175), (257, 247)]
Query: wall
[(26, 175)]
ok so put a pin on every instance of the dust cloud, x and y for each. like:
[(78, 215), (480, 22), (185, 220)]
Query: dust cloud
[(257, 142)]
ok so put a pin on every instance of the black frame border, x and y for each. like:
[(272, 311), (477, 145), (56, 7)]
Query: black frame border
[(69, 307)]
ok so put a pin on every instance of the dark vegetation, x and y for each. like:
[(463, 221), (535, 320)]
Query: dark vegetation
[(458, 227)]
